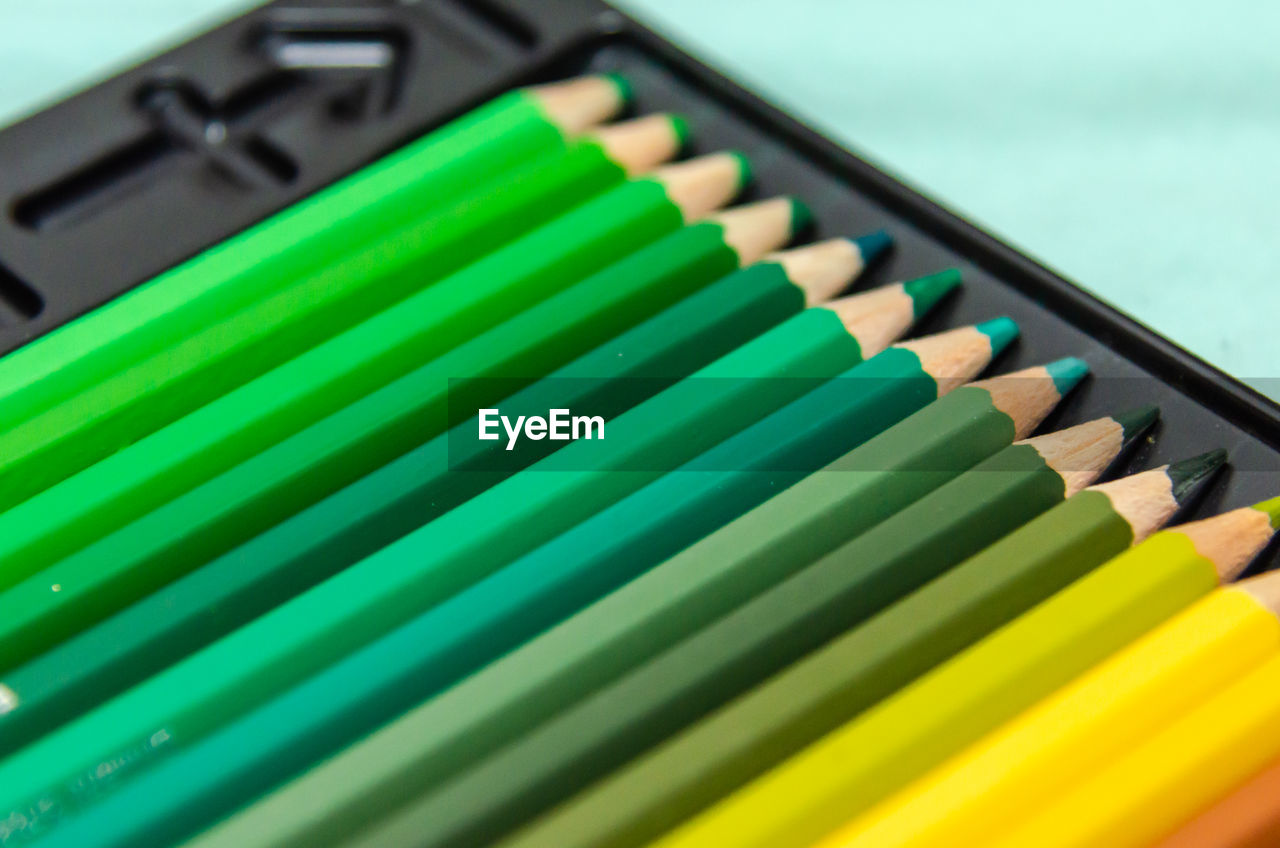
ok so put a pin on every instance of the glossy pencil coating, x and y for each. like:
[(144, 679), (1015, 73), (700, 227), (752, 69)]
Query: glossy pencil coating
[(844, 677), (363, 359), (593, 647), (894, 558), (1125, 607), (1146, 792), (314, 233), (752, 642), (335, 451), (233, 349), (479, 624), (404, 494), (427, 566)]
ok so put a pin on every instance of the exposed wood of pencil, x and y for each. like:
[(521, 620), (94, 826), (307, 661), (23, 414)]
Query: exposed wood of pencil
[(822, 270), (1079, 454), (1231, 541), (757, 228), (950, 357), (1144, 500), (1149, 499), (578, 103), (1025, 396), (876, 318), (702, 185), (1265, 589), (641, 144)]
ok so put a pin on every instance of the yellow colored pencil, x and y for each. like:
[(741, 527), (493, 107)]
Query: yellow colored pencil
[(1079, 729), (1169, 778), (863, 762)]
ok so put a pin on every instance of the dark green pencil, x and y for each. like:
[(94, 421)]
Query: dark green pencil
[(523, 689), (803, 702), (759, 638)]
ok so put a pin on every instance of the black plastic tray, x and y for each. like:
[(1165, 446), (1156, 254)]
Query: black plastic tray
[(114, 185)]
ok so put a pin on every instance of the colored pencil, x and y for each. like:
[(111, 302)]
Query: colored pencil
[(844, 677), (760, 637), (449, 641), (1249, 817), (1142, 795), (98, 500), (404, 494), (230, 350), (527, 686), (308, 236), (335, 451), (1035, 755), (425, 567)]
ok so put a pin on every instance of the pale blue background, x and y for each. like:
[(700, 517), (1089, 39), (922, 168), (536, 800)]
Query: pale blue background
[(1133, 145)]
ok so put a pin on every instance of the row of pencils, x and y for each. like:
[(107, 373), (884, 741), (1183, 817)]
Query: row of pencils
[(818, 586)]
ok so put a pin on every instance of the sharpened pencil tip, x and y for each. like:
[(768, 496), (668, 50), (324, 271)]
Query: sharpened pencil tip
[(1067, 373), (801, 215), (1002, 331), (623, 85), (925, 292), (873, 245), (1136, 421), (1272, 509), (1188, 476)]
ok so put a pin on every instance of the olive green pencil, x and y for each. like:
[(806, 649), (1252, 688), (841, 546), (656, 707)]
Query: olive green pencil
[(515, 694), (801, 703), (781, 625)]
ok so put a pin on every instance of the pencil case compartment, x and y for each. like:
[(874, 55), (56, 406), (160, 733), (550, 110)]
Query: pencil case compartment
[(410, 67), (126, 179)]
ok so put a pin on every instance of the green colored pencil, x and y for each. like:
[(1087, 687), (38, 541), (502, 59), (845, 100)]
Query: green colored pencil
[(460, 547), (335, 451), (754, 640), (98, 500), (731, 746), (269, 744), (760, 637), (232, 349), (501, 701), (307, 237), (403, 495)]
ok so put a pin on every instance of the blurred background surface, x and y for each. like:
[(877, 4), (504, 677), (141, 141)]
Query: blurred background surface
[(1132, 145)]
